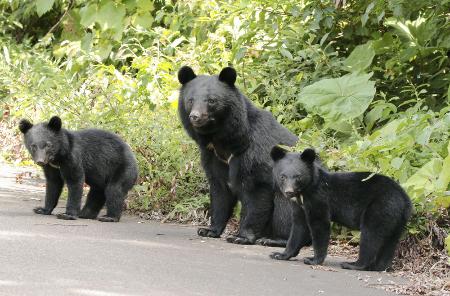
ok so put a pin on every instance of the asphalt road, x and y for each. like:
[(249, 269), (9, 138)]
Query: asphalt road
[(41, 255)]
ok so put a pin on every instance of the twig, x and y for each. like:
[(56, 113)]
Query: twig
[(61, 18)]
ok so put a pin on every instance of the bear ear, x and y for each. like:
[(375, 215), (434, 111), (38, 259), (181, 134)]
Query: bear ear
[(228, 75), (24, 126), (55, 123), (185, 74), (308, 155), (277, 153)]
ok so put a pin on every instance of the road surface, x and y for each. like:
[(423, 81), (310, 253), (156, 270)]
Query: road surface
[(41, 255)]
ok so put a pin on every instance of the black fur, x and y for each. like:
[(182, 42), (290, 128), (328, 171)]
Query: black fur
[(185, 74), (99, 158), (376, 205), (25, 125), (235, 138)]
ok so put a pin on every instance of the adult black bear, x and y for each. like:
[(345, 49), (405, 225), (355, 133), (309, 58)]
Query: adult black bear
[(235, 139), (99, 158), (376, 205)]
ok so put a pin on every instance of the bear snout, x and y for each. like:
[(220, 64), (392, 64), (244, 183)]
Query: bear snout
[(198, 119), (40, 158)]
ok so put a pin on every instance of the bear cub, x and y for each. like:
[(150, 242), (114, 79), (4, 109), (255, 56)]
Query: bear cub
[(376, 205), (96, 157)]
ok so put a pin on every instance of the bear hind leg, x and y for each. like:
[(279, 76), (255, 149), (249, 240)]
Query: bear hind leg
[(369, 247), (386, 253), (115, 196), (94, 203)]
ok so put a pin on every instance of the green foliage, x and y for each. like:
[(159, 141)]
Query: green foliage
[(338, 100), (366, 84), (42, 6), (360, 58)]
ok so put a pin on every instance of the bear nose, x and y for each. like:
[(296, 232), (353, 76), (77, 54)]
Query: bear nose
[(194, 116)]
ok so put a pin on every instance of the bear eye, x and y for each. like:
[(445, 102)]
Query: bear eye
[(190, 101), (283, 177), (211, 100), (48, 144), (33, 147)]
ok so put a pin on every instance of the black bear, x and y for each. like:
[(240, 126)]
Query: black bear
[(372, 203), (99, 158), (235, 138)]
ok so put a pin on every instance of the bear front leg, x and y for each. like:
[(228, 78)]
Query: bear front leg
[(221, 208), (222, 200), (319, 223), (53, 189), (75, 180), (299, 236)]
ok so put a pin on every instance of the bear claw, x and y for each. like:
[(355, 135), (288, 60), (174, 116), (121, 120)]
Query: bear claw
[(107, 219), (65, 216), (206, 232), (239, 240), (86, 215), (312, 261), (279, 256), (351, 266), (42, 211)]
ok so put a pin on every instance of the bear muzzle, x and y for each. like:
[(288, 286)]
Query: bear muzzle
[(198, 120), (289, 193), (40, 158)]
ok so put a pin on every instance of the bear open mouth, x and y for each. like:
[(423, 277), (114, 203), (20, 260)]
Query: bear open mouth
[(291, 194), (41, 163)]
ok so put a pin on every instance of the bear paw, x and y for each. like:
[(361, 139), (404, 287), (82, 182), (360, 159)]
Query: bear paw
[(352, 266), (108, 219), (65, 216), (86, 214), (279, 256), (312, 261), (42, 211), (206, 232), (268, 242), (239, 240)]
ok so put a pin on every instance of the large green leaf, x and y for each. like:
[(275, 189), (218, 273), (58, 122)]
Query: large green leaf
[(88, 14), (42, 6), (416, 33), (144, 20), (339, 99), (360, 58), (110, 16), (423, 181), (145, 5)]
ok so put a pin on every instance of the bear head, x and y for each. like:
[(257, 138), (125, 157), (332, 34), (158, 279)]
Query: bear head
[(293, 172), (207, 100), (43, 140)]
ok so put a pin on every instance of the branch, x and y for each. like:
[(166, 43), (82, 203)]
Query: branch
[(71, 2)]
